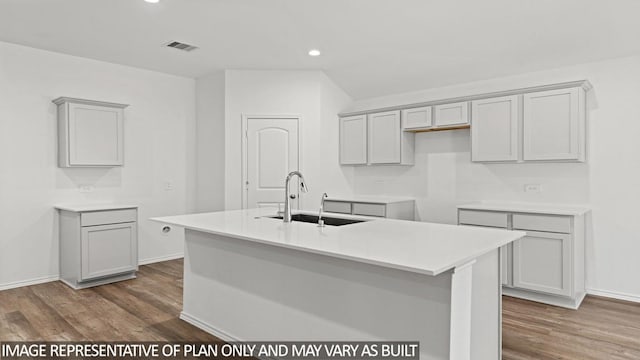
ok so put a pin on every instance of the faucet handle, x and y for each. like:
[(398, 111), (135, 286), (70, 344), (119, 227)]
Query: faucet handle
[(280, 212)]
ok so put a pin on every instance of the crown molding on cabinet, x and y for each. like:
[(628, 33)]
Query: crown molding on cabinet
[(585, 84), (64, 99)]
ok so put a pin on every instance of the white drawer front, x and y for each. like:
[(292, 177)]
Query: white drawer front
[(483, 218), (108, 217), (337, 207), (369, 209), (548, 223)]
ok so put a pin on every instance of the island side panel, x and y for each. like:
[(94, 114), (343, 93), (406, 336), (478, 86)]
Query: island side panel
[(486, 308), (239, 290)]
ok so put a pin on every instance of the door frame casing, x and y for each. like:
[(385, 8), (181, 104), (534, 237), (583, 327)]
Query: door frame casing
[(245, 144)]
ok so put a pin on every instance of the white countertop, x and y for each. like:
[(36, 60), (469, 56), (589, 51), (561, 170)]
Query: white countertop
[(419, 247), (553, 209), (370, 199), (93, 207)]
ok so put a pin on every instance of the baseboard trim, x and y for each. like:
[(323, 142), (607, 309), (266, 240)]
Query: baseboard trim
[(614, 295), (160, 259), (208, 328), (22, 283), (214, 331)]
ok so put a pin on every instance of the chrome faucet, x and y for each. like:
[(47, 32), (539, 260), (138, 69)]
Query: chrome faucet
[(286, 217), (320, 221)]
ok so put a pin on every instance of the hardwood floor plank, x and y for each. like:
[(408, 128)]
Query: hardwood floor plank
[(600, 329), (15, 327)]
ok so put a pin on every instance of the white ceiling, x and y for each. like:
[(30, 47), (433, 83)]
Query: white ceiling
[(370, 47)]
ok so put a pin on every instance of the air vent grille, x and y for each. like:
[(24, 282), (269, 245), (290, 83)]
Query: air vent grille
[(181, 46)]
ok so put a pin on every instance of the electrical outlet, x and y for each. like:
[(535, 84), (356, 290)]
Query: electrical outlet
[(166, 229), (533, 188), (85, 188), (168, 185)]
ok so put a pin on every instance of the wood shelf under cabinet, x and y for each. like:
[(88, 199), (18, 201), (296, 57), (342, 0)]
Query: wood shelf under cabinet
[(461, 127)]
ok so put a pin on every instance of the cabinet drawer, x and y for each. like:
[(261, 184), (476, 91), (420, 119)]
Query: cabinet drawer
[(557, 224), (108, 217), (483, 218), (337, 207), (369, 209)]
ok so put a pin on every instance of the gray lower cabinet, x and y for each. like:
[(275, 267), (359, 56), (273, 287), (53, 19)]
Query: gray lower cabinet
[(98, 246), (547, 265), (402, 209), (542, 262)]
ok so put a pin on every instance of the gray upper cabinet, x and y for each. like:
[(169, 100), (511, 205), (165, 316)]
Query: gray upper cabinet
[(554, 125), (494, 129), (454, 114), (353, 140), (417, 118), (537, 124), (375, 139), (90, 133), (383, 140)]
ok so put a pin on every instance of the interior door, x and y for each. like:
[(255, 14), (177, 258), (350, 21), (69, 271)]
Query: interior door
[(271, 153)]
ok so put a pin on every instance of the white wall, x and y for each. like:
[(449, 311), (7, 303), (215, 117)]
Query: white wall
[(159, 147), (210, 98), (610, 181), (309, 94)]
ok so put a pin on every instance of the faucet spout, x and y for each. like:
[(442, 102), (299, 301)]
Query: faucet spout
[(320, 221), (286, 217)]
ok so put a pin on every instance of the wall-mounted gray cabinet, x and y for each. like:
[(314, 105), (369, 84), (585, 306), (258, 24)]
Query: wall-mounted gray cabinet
[(90, 133), (547, 125), (375, 139)]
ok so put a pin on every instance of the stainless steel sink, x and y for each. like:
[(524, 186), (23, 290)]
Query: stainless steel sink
[(333, 221)]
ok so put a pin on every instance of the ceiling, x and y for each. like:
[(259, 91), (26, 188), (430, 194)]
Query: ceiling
[(369, 47)]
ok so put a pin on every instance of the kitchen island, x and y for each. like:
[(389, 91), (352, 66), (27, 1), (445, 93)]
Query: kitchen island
[(249, 277)]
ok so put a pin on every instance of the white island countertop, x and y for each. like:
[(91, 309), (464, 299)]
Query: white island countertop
[(419, 247)]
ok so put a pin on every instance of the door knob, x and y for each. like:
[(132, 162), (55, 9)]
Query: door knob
[(292, 196)]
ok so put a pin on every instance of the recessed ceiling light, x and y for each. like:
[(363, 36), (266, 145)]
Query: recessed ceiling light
[(314, 52), (152, 1)]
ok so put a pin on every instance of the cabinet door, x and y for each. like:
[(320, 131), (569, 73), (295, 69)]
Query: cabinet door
[(353, 140), (455, 114), (494, 129), (542, 262), (552, 129), (384, 138), (95, 135), (417, 118), (108, 249)]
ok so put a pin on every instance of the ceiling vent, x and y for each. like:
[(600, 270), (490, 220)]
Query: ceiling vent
[(181, 46)]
